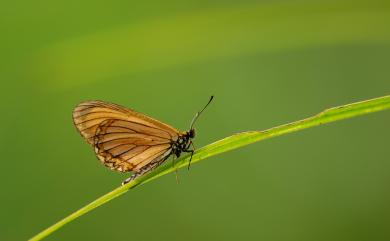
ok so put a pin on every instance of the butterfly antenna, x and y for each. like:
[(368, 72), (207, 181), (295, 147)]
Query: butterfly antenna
[(199, 112)]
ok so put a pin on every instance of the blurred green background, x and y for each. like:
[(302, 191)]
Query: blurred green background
[(267, 63)]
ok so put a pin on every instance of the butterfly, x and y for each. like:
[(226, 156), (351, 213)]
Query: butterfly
[(125, 140)]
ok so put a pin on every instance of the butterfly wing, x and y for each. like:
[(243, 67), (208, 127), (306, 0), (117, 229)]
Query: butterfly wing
[(123, 139)]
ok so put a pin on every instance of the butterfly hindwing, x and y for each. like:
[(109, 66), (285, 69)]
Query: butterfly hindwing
[(126, 150)]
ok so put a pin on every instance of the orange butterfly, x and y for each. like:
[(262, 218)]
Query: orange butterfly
[(125, 140)]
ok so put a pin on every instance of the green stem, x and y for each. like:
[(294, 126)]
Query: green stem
[(230, 143)]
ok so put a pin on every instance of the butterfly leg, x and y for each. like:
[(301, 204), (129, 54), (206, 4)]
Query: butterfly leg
[(132, 177), (176, 172), (144, 170), (192, 153)]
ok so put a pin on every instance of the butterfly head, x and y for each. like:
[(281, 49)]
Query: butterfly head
[(191, 133)]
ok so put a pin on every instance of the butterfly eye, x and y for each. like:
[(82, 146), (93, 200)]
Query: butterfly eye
[(191, 133)]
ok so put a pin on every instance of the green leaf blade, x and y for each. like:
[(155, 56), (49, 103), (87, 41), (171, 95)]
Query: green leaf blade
[(230, 143)]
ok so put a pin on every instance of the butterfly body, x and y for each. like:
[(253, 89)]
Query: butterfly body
[(125, 140), (183, 143)]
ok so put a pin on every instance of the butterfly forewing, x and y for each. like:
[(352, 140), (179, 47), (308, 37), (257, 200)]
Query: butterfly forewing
[(123, 139)]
